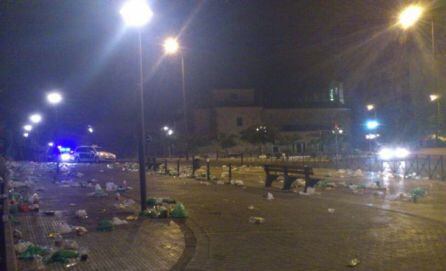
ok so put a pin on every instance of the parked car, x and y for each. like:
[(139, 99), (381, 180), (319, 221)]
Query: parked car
[(92, 154)]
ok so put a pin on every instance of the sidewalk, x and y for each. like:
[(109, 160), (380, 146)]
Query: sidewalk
[(140, 245)]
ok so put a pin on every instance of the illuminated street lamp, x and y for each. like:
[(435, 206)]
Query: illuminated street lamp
[(28, 127), (54, 98), (26, 134), (35, 118), (410, 16), (50, 144), (372, 124), (90, 129), (170, 132), (172, 47), (137, 13), (370, 107)]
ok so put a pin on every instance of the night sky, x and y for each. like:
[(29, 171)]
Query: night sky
[(278, 47)]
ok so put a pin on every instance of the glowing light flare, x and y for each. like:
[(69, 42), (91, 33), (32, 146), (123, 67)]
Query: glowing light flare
[(35, 118), (372, 124), (171, 46), (54, 98), (28, 127), (66, 157), (166, 128), (434, 97), (370, 107), (410, 16), (170, 132), (136, 13), (50, 144), (90, 129), (393, 153), (25, 134)]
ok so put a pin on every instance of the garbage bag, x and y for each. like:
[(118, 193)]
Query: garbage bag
[(105, 225), (63, 255), (32, 250), (179, 211)]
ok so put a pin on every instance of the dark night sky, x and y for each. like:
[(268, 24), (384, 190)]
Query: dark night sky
[(82, 48)]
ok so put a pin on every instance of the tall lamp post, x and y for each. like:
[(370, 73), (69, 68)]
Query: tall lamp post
[(137, 13), (172, 47), (436, 98), (54, 98)]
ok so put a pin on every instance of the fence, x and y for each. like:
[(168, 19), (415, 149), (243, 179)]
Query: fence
[(430, 166)]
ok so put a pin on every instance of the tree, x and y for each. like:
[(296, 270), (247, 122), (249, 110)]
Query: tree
[(227, 141), (258, 135)]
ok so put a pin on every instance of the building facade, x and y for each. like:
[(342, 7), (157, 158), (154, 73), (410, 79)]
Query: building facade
[(235, 110)]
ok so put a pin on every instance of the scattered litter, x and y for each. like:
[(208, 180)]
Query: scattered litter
[(111, 187), (131, 218), (179, 211), (80, 174), (417, 193), (49, 212), (105, 225), (20, 247), (256, 220), (269, 196), (353, 262), (63, 227), (17, 234), (310, 191), (80, 230), (63, 256), (32, 251), (251, 207), (331, 210), (81, 214), (70, 244), (116, 221), (220, 182), (237, 182)]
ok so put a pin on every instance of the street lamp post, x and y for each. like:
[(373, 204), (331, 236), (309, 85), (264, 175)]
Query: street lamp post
[(137, 13), (436, 98), (171, 47), (54, 98)]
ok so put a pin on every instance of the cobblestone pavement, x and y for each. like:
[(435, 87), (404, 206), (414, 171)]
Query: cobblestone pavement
[(299, 233), (141, 245)]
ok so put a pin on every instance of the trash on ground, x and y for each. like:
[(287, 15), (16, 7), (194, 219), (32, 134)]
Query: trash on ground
[(179, 211), (111, 187), (70, 244), (63, 228), (331, 210), (117, 221), (63, 256), (131, 218), (105, 225), (269, 196), (80, 230), (21, 246), (81, 214), (220, 182), (417, 193), (256, 220), (237, 182), (31, 251), (251, 207), (353, 262)]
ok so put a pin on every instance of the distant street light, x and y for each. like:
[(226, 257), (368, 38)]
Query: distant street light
[(25, 134), (370, 107), (171, 47), (28, 127), (90, 129), (372, 124), (54, 98), (170, 132), (434, 97), (50, 144), (166, 128), (35, 118), (410, 16), (137, 13)]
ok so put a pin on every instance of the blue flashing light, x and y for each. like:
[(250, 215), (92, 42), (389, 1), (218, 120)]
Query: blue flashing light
[(64, 149), (372, 124)]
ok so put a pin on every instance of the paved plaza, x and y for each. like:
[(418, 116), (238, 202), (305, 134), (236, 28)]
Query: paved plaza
[(299, 232)]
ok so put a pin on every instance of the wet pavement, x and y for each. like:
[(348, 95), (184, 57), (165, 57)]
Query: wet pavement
[(382, 231)]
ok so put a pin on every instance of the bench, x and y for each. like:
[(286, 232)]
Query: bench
[(290, 174)]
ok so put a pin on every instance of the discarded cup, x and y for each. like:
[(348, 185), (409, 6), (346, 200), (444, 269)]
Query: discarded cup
[(256, 220), (353, 262)]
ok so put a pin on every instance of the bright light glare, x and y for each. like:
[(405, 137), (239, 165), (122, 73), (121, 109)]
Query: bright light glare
[(372, 124), (385, 154), (393, 153), (410, 16), (370, 107), (28, 127), (434, 97), (54, 97), (25, 134), (165, 128), (170, 132), (371, 136), (65, 157), (171, 46), (90, 129), (401, 153), (35, 118), (50, 144), (136, 13)]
